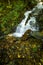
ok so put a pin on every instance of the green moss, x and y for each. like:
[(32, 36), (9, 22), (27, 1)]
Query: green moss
[(10, 14)]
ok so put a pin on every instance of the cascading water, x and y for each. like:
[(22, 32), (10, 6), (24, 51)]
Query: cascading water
[(31, 23), (21, 27)]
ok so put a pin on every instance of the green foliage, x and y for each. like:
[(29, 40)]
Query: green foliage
[(10, 14)]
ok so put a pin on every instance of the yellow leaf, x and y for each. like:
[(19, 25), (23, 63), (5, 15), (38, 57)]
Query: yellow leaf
[(19, 55)]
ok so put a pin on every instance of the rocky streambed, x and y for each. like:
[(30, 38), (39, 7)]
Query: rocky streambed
[(21, 50)]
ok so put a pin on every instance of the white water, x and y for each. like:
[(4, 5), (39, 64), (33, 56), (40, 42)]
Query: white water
[(31, 23)]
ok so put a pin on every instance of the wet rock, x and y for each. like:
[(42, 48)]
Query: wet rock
[(37, 35), (40, 20), (26, 35)]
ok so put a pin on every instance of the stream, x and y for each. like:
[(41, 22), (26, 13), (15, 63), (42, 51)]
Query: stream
[(31, 24)]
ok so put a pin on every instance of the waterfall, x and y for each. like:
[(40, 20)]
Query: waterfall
[(30, 24)]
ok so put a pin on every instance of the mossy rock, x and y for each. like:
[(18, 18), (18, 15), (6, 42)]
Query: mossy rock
[(37, 35)]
